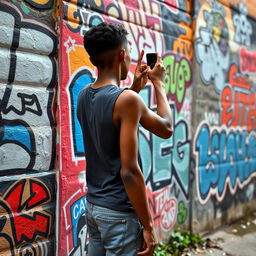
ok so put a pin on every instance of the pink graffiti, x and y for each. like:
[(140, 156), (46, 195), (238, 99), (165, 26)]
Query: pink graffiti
[(248, 61), (163, 208), (173, 5)]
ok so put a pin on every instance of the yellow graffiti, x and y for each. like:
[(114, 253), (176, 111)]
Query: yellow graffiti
[(41, 4), (98, 2), (216, 33)]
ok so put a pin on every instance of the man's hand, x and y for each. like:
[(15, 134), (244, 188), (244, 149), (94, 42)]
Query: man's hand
[(149, 243), (140, 75), (157, 73)]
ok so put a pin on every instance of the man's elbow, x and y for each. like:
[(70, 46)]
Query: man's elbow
[(168, 133), (127, 176), (130, 171)]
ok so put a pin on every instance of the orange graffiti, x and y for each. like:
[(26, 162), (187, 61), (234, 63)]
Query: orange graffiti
[(250, 5), (183, 44), (78, 58), (72, 14)]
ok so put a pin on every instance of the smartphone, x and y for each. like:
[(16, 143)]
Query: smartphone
[(151, 59)]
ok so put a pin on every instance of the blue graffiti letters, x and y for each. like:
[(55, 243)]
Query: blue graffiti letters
[(224, 157), (163, 158)]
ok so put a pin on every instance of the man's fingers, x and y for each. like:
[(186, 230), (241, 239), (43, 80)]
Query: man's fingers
[(143, 67), (145, 72), (140, 57), (159, 59), (146, 251), (149, 250)]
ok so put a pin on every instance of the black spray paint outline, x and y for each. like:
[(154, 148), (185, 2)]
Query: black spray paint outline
[(19, 23)]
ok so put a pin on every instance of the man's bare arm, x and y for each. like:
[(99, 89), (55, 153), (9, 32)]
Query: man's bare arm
[(129, 108), (160, 123)]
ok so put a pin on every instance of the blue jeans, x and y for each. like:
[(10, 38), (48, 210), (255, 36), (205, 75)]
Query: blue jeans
[(112, 233)]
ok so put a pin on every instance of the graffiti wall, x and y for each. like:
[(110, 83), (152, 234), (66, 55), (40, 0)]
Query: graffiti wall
[(204, 174), (155, 26), (27, 127), (224, 143)]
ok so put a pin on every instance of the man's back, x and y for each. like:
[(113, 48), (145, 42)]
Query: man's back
[(110, 124), (102, 147)]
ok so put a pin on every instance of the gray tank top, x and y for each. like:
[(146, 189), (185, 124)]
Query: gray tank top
[(102, 148)]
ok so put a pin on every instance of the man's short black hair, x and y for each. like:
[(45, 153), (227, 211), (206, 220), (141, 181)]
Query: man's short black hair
[(103, 38)]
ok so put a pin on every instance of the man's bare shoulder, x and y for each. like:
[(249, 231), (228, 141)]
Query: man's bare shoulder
[(128, 102), (128, 98)]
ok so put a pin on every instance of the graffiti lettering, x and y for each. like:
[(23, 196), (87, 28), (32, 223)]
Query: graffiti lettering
[(73, 15), (182, 46), (74, 213), (164, 209), (178, 77), (80, 18), (143, 14), (237, 102), (238, 80), (243, 26), (248, 61), (29, 102), (224, 158), (163, 158)]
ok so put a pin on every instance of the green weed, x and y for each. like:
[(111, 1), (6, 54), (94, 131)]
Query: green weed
[(178, 242)]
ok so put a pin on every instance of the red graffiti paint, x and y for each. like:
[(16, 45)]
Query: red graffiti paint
[(238, 101), (25, 199), (236, 80), (248, 60), (71, 166)]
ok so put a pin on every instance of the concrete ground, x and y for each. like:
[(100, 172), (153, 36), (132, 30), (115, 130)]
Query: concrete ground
[(238, 239)]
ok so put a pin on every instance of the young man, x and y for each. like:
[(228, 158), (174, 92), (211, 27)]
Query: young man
[(117, 212)]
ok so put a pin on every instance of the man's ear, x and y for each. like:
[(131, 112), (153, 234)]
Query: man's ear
[(122, 55)]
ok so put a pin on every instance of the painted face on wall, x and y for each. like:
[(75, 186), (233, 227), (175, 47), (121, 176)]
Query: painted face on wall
[(220, 32)]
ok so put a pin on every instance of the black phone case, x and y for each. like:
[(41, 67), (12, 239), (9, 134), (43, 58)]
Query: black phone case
[(151, 59)]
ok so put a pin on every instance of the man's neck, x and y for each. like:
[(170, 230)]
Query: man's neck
[(105, 77)]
